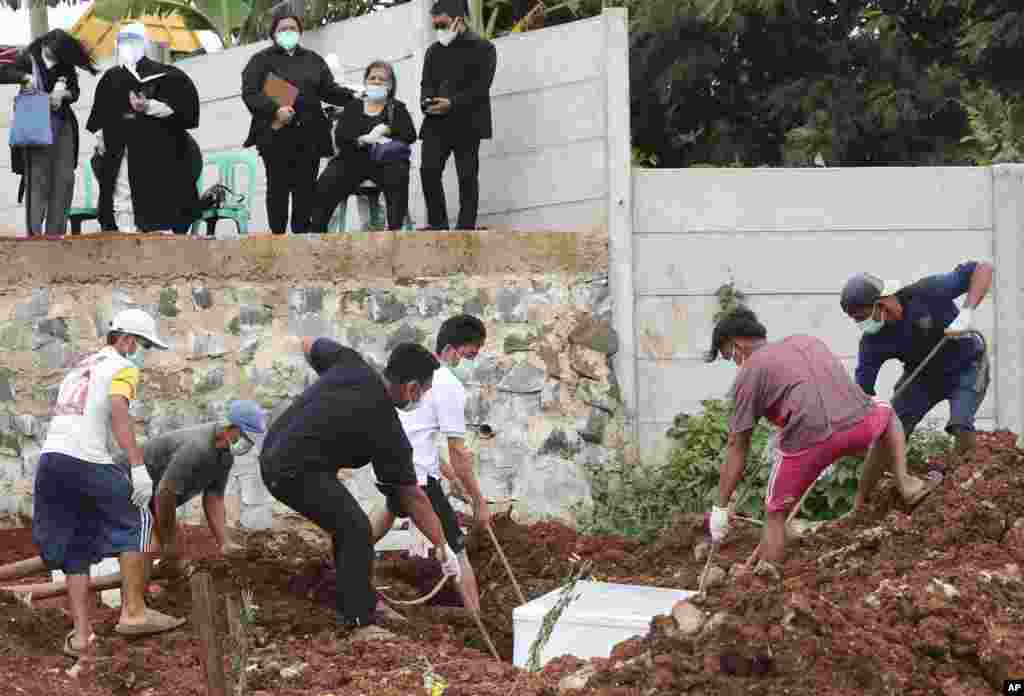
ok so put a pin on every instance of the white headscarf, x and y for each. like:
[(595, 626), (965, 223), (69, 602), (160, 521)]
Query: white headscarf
[(131, 45)]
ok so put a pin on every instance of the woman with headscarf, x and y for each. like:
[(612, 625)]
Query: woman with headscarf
[(292, 152), (50, 64), (374, 138), (153, 105)]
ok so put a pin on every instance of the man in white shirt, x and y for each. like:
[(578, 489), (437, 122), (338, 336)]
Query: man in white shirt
[(443, 410), (83, 501)]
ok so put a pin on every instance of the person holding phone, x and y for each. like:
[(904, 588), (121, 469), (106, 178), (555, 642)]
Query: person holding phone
[(455, 98)]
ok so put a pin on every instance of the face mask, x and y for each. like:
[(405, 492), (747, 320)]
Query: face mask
[(376, 93), (287, 39), (48, 58), (138, 357), (446, 36), (870, 326), (241, 446)]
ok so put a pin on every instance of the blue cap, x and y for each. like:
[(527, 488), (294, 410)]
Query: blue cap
[(247, 415)]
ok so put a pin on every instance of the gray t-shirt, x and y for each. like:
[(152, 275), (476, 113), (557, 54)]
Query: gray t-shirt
[(189, 461), (801, 386)]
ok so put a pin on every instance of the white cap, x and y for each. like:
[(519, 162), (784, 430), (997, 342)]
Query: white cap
[(137, 323)]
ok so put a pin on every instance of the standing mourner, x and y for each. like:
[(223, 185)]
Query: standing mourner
[(154, 105), (83, 502), (183, 463), (374, 138), (346, 420), (50, 64), (291, 154), (443, 411), (905, 323), (455, 95), (800, 386)]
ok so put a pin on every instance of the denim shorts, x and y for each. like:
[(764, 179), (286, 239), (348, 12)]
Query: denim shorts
[(83, 513)]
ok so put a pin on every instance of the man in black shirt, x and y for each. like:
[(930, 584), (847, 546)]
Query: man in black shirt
[(455, 97), (345, 420)]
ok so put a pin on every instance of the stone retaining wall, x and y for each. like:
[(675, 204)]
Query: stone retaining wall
[(543, 382)]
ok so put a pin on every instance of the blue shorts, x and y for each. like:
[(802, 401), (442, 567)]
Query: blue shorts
[(83, 512)]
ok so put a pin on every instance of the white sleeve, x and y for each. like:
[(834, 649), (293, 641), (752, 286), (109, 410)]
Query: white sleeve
[(158, 109), (450, 400)]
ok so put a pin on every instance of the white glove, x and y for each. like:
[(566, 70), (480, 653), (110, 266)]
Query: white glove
[(364, 140), (57, 97), (142, 486), (450, 565), (379, 131), (962, 323), (158, 109), (719, 523)]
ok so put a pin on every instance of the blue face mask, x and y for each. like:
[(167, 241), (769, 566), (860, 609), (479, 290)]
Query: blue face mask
[(870, 326), (376, 93), (287, 39), (138, 357)]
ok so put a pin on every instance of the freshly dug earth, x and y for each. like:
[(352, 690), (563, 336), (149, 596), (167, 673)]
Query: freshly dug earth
[(926, 603)]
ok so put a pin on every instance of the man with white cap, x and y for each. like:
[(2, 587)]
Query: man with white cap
[(151, 106), (83, 502), (906, 323), (181, 464)]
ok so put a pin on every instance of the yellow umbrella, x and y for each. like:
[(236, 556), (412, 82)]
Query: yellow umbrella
[(101, 36)]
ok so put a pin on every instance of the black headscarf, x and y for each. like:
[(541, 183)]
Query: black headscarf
[(452, 8)]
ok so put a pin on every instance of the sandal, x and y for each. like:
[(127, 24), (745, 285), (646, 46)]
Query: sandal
[(76, 653), (156, 622)]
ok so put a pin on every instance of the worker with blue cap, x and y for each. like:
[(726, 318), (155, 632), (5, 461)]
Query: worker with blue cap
[(181, 464), (906, 322)]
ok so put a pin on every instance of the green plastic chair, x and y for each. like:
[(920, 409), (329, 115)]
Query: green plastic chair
[(227, 164), (88, 211), (378, 216)]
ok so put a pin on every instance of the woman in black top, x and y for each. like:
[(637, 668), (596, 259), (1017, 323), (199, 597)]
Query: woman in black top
[(374, 139), (50, 64), (292, 153)]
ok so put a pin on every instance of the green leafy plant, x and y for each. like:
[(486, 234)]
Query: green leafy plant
[(565, 598), (640, 501)]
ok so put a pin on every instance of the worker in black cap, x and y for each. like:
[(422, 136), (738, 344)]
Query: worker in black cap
[(455, 97), (906, 323)]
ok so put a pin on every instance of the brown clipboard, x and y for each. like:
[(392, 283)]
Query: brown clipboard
[(283, 92)]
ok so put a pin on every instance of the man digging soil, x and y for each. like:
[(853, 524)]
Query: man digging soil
[(802, 388), (180, 464), (443, 411), (347, 419)]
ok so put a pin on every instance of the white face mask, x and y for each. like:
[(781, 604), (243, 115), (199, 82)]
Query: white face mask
[(446, 36), (48, 58)]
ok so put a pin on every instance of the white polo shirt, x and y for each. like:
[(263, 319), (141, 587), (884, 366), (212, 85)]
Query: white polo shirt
[(80, 426), (443, 411)]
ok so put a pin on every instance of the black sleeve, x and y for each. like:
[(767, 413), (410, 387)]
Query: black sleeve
[(253, 77), (180, 93), (428, 83), (479, 89), (325, 354), (392, 453), (402, 127), (71, 75), (350, 126)]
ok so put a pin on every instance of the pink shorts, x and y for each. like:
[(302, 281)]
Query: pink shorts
[(792, 474)]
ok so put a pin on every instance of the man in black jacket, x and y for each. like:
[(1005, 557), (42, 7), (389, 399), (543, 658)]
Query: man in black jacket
[(455, 97)]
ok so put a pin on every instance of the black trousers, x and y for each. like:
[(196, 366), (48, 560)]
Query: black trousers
[(321, 497), (291, 175), (340, 179), (106, 177), (437, 147)]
